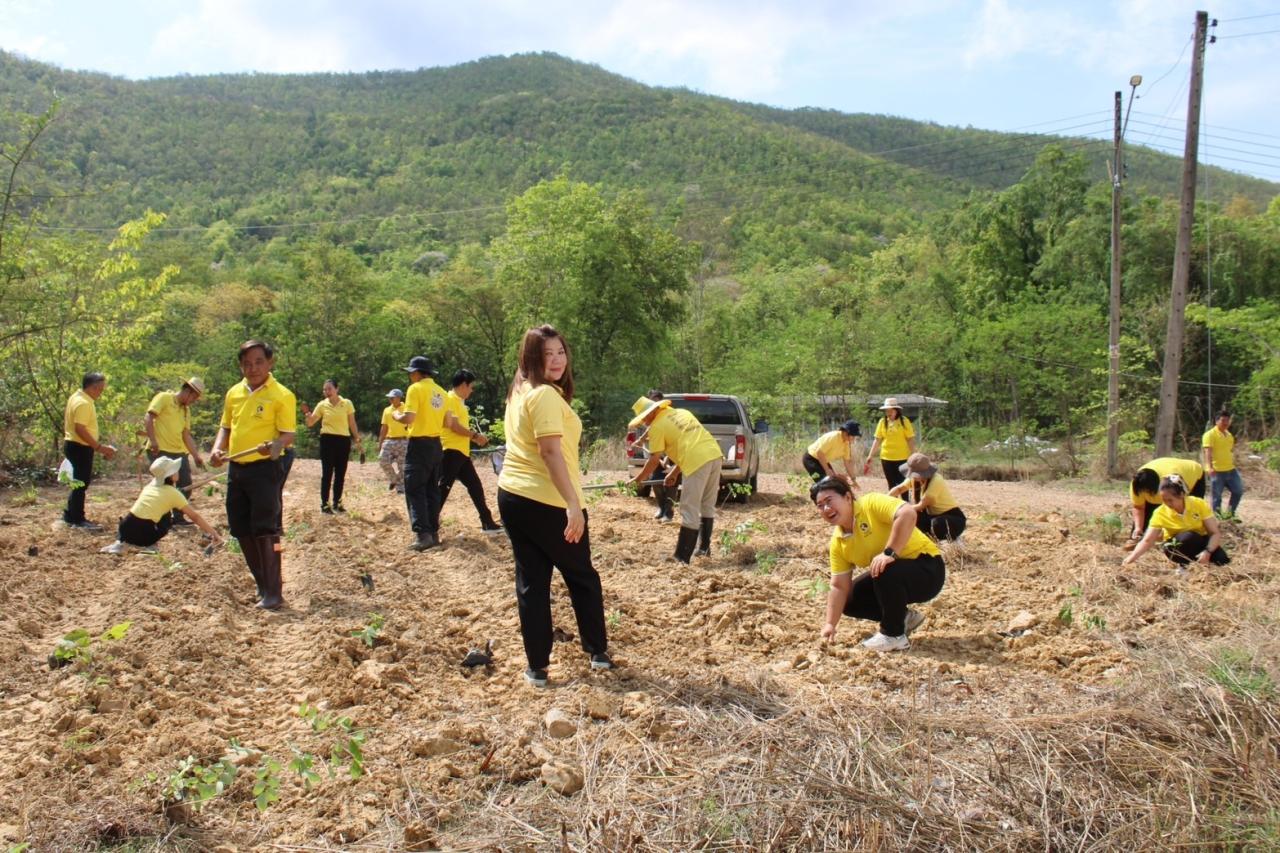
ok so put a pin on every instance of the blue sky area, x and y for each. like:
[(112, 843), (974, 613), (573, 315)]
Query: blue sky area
[(995, 64)]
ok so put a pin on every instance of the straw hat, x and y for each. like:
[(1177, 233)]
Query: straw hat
[(195, 384), (918, 467), (890, 403), (643, 407)]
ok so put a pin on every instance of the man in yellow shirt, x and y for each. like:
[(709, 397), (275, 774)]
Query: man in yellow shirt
[(696, 455), (259, 422), (423, 414), (79, 443), (456, 441), (1220, 465), (393, 442), (168, 427)]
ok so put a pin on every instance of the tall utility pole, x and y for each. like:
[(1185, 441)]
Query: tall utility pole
[(1113, 349), (1168, 416)]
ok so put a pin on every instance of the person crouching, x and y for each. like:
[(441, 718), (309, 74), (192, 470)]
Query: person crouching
[(151, 516)]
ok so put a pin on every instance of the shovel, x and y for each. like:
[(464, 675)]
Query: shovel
[(600, 487)]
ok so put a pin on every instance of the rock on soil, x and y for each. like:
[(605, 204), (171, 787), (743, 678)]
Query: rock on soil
[(562, 778)]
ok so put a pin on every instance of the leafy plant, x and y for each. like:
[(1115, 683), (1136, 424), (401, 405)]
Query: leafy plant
[(613, 618), (1237, 671), (1095, 621), (266, 784), (369, 633), (197, 784), (348, 754), (765, 561), (29, 496), (303, 765), (739, 535), (76, 645), (1066, 613), (69, 481), (816, 587)]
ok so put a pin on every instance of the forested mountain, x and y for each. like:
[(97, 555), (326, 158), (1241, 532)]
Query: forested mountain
[(683, 239)]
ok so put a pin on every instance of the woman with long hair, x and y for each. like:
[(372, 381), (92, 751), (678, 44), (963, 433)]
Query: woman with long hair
[(895, 441)]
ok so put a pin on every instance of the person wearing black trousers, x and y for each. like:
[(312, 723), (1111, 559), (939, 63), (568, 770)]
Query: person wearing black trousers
[(895, 440), (541, 504), (423, 413), (338, 431), (456, 441), (1187, 525), (79, 443)]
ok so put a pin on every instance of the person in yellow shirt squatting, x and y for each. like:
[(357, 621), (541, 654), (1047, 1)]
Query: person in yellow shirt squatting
[(877, 533), (937, 513), (832, 447), (686, 442), (423, 414), (895, 441), (456, 441), (1219, 463), (151, 515), (167, 424), (393, 442), (337, 418), (259, 422), (79, 443), (1144, 489), (1186, 525)]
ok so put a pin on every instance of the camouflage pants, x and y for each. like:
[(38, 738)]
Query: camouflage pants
[(391, 458)]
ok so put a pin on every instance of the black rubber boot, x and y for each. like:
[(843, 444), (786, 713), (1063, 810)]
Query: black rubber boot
[(685, 543), (272, 581), (249, 547), (704, 538)]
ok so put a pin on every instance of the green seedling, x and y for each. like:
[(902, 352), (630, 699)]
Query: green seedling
[(296, 530), (817, 587), (266, 784), (27, 497), (613, 618), (303, 765), (1066, 613), (369, 633), (1095, 621), (70, 482), (197, 784), (765, 561), (739, 535), (233, 546), (348, 754), (76, 646)]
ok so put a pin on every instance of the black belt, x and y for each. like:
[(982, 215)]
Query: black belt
[(424, 438)]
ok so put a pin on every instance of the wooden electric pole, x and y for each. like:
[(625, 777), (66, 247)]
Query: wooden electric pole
[(1167, 418), (1113, 349)]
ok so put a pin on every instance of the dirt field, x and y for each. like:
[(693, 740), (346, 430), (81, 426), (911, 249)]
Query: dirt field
[(1051, 700)]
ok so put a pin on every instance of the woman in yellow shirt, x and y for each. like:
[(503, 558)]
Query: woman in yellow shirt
[(1187, 526), (1144, 488), (337, 418), (937, 513), (540, 502), (895, 441), (831, 447), (877, 533), (151, 516)]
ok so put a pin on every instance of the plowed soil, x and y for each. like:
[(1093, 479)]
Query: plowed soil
[(456, 758)]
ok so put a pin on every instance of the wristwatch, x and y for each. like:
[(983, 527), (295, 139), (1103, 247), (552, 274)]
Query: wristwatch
[(889, 552)]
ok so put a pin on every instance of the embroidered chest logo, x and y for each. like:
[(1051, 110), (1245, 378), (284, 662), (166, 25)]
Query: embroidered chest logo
[(864, 527), (437, 401)]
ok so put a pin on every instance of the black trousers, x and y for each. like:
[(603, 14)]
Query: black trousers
[(285, 464), (335, 450), (143, 532), (536, 531), (456, 465), (81, 458), (885, 599), (1186, 546), (253, 498), (892, 473), (422, 484), (184, 474), (813, 466), (944, 525)]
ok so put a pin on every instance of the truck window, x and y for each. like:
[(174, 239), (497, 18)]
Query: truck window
[(710, 412)]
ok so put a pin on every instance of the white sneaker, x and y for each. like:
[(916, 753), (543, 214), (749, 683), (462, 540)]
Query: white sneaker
[(883, 643), (914, 620), (117, 548)]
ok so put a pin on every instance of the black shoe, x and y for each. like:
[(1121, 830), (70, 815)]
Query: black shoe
[(536, 677), (86, 525), (424, 542), (391, 487), (182, 521), (326, 509), (685, 543), (601, 660), (492, 529), (337, 507)]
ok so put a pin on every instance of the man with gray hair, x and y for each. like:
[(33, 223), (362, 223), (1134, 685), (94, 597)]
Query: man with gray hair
[(79, 443)]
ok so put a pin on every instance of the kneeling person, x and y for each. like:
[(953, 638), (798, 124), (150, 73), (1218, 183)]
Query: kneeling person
[(1186, 524), (151, 516), (937, 513)]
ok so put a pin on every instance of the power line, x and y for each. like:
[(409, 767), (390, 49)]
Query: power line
[(1221, 127), (1249, 35), (1250, 17)]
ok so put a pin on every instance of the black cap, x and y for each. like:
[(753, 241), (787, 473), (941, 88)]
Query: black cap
[(852, 428), (421, 364)]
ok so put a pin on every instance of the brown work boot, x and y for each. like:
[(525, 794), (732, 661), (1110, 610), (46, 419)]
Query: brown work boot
[(272, 582)]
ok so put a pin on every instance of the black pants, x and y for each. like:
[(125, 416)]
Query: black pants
[(184, 474), (422, 484), (81, 458), (456, 465), (892, 473), (813, 466), (285, 464), (537, 541), (335, 450), (885, 599), (944, 525), (143, 532), (1186, 546), (253, 498)]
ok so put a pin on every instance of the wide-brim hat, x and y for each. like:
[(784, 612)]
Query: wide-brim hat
[(195, 384), (918, 467), (165, 467), (851, 428), (890, 403), (643, 407), (421, 364), (396, 392)]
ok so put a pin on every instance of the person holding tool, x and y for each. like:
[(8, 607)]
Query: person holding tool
[(79, 443), (423, 414), (665, 495), (150, 518), (456, 442), (259, 422), (696, 455), (393, 441), (337, 418), (168, 427), (832, 447)]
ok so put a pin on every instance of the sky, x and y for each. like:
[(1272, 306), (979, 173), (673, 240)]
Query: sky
[(993, 64)]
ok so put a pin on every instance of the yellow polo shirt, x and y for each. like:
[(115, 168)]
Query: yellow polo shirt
[(1221, 444), (449, 439), (1194, 512), (80, 410), (395, 429), (257, 416), (1188, 469), (534, 413), (334, 418), (940, 496), (872, 524), (156, 502), (425, 400), (893, 438), (686, 442), (831, 445), (170, 420)]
